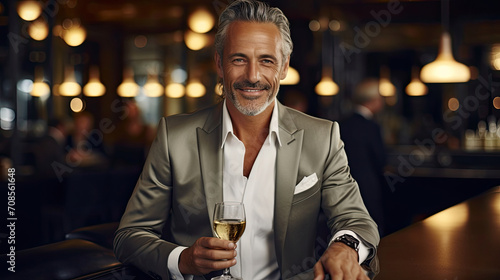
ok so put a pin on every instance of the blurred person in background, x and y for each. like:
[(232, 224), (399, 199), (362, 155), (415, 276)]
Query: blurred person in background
[(365, 148), (132, 139), (85, 143), (52, 148), (130, 143)]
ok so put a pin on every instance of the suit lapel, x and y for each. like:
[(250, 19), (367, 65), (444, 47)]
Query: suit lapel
[(211, 157), (287, 164)]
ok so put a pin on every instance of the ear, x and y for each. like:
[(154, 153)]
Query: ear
[(284, 70), (218, 64)]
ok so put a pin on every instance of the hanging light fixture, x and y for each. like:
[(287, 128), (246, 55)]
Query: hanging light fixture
[(292, 77), (327, 87), (175, 90), (94, 87), (40, 88), (128, 88), (38, 29), (445, 69), (195, 41), (70, 87), (153, 88), (386, 88), (495, 57), (73, 34), (201, 21), (195, 89), (416, 87), (29, 10)]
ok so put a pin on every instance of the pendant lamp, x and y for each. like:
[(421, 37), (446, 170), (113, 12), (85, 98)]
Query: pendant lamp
[(40, 88), (153, 88), (70, 87), (94, 87), (386, 88), (445, 69), (128, 88), (416, 87)]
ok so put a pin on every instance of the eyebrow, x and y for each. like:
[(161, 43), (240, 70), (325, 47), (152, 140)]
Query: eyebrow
[(272, 57), (260, 57), (237, 54)]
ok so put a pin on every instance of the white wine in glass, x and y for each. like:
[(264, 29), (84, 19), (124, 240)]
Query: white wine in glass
[(229, 224)]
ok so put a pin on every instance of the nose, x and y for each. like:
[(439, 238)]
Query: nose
[(253, 72)]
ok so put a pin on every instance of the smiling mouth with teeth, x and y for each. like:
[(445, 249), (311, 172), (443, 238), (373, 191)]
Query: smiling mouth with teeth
[(249, 94), (252, 90), (251, 87)]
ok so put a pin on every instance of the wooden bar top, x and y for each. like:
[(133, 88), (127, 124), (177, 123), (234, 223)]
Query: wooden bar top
[(459, 243)]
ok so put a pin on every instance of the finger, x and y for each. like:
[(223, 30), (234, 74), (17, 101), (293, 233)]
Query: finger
[(202, 249), (348, 274), (355, 271), (210, 265), (319, 273), (336, 273), (216, 254), (349, 271), (338, 276), (216, 243), (200, 260)]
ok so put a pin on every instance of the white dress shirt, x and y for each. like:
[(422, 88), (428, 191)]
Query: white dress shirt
[(255, 250), (363, 111), (256, 257)]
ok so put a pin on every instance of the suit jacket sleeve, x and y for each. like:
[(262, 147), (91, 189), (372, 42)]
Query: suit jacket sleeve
[(137, 240), (342, 202)]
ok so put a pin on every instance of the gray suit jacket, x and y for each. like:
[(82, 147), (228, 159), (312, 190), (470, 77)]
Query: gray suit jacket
[(175, 195)]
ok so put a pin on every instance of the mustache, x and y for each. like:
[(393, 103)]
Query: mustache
[(247, 84)]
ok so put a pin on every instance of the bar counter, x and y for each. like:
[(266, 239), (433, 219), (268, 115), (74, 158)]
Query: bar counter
[(459, 243)]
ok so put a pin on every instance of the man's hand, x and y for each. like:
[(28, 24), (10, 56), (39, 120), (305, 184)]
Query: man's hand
[(206, 255), (341, 262)]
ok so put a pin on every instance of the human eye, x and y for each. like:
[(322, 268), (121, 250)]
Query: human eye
[(238, 60)]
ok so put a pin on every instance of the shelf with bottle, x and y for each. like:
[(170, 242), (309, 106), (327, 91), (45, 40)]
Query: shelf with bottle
[(485, 138)]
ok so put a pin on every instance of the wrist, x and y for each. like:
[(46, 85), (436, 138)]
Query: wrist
[(347, 251), (348, 241), (184, 267), (174, 262)]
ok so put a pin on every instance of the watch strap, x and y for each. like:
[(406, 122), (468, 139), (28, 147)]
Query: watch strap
[(348, 240)]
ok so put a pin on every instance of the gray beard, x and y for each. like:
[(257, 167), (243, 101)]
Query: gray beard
[(246, 110)]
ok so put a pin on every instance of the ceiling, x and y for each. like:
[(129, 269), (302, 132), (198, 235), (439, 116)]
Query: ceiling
[(412, 23)]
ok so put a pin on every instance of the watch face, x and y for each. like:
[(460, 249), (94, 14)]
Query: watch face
[(349, 241), (352, 239)]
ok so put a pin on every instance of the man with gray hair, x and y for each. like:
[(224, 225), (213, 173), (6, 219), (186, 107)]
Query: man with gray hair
[(286, 167)]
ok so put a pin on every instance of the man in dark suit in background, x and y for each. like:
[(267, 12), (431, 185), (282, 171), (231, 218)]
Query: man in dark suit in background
[(365, 148)]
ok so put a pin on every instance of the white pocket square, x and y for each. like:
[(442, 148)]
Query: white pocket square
[(306, 183)]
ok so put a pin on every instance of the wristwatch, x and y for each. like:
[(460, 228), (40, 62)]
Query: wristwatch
[(348, 240)]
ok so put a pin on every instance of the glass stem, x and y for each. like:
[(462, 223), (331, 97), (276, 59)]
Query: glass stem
[(226, 272)]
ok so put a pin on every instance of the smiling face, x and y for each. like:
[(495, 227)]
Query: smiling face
[(252, 66)]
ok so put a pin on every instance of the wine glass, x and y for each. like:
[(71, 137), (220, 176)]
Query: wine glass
[(229, 224)]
